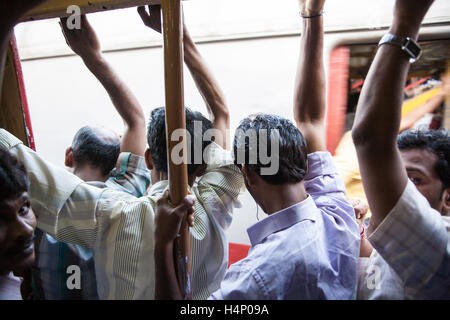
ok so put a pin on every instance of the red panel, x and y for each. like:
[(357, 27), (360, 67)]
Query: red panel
[(23, 96), (337, 96), (417, 83), (237, 252)]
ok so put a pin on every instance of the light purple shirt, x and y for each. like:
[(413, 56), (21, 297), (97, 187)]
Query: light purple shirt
[(10, 287), (307, 251)]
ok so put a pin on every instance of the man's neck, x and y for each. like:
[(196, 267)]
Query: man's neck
[(88, 173), (280, 197)]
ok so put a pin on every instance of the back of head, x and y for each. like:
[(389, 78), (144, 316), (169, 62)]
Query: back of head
[(97, 147), (156, 137), (287, 146), (13, 176), (434, 141)]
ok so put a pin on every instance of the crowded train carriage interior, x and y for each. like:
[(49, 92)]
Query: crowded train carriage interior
[(251, 40)]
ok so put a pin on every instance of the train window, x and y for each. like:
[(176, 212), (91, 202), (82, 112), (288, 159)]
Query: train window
[(424, 104)]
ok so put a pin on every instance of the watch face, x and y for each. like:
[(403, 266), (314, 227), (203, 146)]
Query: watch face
[(412, 48)]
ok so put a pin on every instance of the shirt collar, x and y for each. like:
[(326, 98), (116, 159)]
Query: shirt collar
[(305, 210), (160, 186)]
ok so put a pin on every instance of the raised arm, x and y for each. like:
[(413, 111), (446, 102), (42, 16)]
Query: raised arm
[(209, 89), (11, 11), (204, 80), (84, 42), (378, 114), (309, 94)]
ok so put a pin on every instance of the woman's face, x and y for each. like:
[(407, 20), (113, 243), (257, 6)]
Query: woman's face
[(17, 224)]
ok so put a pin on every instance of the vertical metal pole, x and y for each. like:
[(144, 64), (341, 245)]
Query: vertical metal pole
[(176, 120)]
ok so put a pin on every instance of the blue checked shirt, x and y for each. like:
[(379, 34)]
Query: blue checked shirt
[(413, 245), (53, 257)]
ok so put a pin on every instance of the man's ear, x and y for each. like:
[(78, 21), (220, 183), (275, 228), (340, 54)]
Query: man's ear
[(446, 202), (149, 159), (68, 161)]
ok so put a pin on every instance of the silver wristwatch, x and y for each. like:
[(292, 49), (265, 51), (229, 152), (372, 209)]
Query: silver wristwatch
[(406, 44)]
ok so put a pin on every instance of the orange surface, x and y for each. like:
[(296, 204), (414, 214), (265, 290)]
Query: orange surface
[(237, 252)]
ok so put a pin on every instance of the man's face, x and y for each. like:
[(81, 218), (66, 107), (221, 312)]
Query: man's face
[(419, 165), (17, 224)]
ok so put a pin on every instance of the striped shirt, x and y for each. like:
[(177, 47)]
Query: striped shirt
[(118, 227), (53, 258)]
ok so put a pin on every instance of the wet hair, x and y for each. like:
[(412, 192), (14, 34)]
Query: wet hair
[(13, 176), (435, 141), (89, 148), (292, 153), (156, 137)]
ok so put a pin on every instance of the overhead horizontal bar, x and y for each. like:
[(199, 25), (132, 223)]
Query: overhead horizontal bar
[(58, 8)]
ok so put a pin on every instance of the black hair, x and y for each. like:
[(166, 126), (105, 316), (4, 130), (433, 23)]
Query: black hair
[(156, 137), (13, 176), (435, 141), (89, 148), (292, 153), (437, 73)]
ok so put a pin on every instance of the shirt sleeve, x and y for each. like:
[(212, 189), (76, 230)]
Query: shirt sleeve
[(414, 240), (241, 283), (322, 177), (130, 175), (220, 186), (327, 188), (50, 186)]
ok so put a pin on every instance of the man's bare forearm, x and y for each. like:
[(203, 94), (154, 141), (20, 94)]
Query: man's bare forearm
[(207, 85), (365, 248), (377, 122), (209, 89), (378, 116), (166, 284), (309, 96), (134, 139)]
